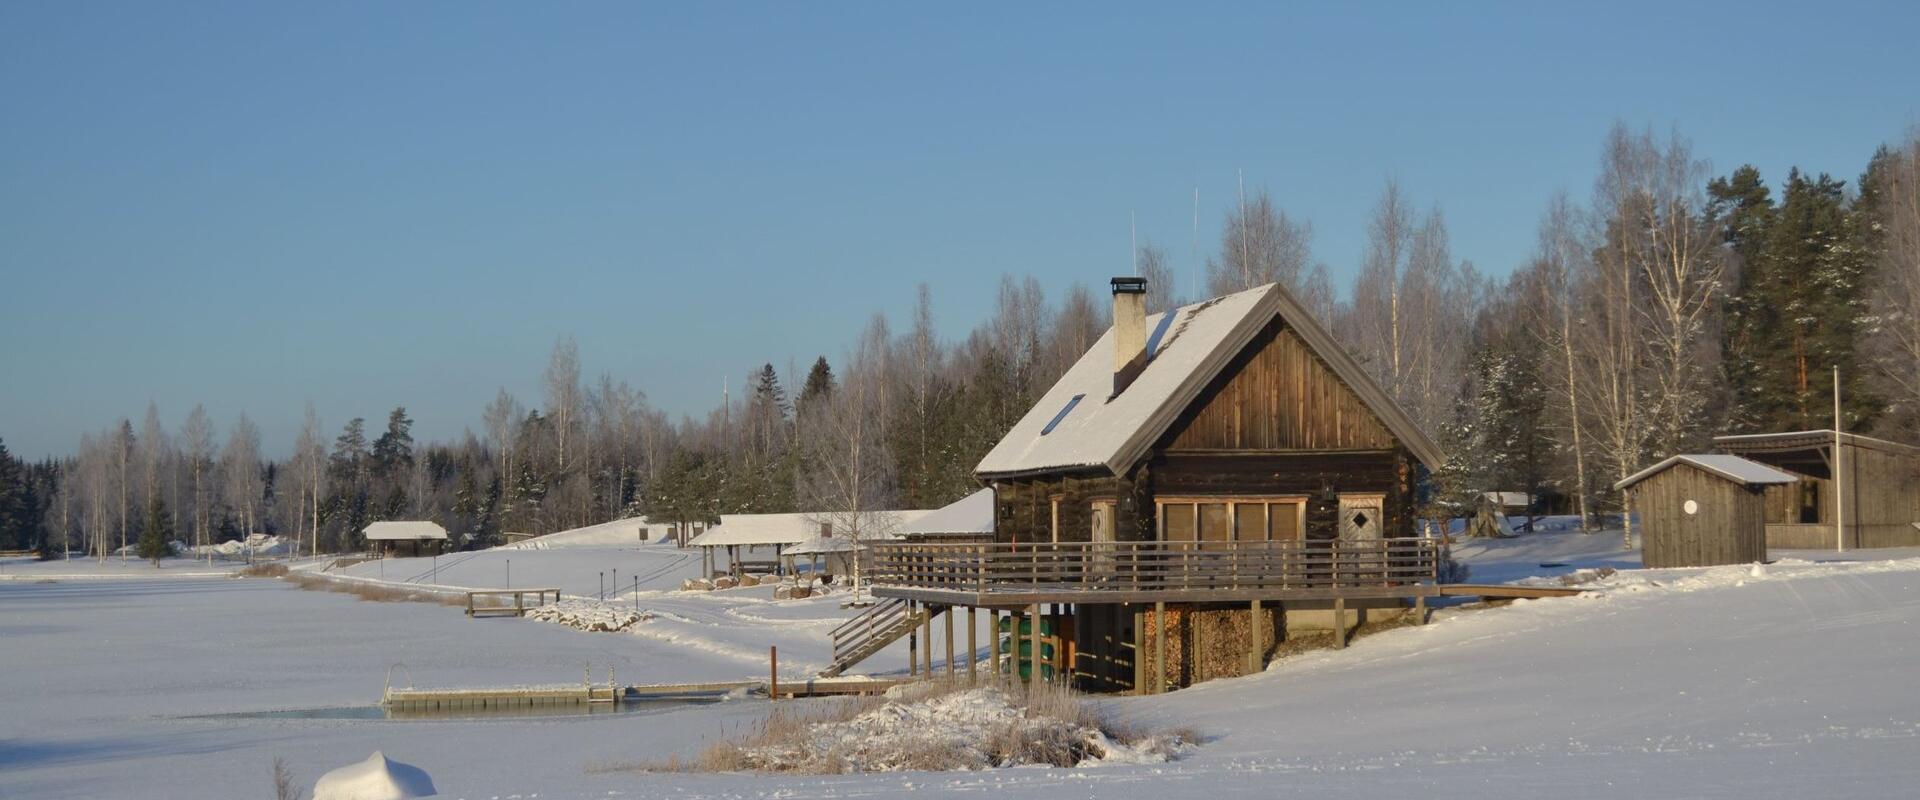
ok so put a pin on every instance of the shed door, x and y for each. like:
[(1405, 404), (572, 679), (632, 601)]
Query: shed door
[(1360, 517)]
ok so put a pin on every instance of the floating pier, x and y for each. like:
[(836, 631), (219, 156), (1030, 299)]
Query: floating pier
[(585, 697)]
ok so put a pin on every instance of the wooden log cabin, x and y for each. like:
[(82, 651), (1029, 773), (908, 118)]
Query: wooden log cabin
[(1881, 480), (1197, 486)]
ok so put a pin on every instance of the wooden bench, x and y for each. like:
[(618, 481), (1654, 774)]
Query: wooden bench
[(500, 609)]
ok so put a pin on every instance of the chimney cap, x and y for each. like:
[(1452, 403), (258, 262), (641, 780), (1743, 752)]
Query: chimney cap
[(1129, 285)]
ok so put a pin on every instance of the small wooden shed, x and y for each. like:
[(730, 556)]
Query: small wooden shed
[(1702, 510)]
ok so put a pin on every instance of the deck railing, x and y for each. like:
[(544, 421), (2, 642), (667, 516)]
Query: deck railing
[(1156, 566)]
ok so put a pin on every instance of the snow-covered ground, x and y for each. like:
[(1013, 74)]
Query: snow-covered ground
[(1792, 679)]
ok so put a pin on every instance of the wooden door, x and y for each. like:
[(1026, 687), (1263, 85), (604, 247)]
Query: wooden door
[(1360, 517)]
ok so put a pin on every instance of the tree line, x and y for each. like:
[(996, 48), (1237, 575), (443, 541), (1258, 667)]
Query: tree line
[(1668, 306)]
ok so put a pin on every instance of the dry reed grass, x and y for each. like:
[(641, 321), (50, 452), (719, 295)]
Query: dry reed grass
[(375, 592)]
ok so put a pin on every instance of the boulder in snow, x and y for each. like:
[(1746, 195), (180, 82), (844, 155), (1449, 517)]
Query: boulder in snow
[(377, 778)]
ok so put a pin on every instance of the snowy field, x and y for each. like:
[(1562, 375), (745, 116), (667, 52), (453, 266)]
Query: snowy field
[(1789, 680), (31, 569)]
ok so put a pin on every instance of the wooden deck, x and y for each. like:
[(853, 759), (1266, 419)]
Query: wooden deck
[(1013, 575)]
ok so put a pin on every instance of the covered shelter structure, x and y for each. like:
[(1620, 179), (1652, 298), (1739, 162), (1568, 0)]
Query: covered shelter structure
[(742, 536), (969, 519), (1850, 491), (1702, 510), (386, 536)]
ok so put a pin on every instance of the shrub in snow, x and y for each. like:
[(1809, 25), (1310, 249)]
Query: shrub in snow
[(725, 582), (696, 585), (587, 615), (791, 592), (941, 726)]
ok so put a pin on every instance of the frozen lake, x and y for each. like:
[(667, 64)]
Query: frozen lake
[(1792, 680)]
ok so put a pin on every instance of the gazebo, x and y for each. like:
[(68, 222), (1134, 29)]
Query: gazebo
[(392, 532)]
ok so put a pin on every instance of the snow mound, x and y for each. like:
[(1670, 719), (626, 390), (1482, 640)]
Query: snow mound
[(587, 615), (377, 778), (960, 730)]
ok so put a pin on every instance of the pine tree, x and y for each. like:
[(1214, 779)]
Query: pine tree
[(1796, 309), (1743, 206), (156, 534), (393, 451)]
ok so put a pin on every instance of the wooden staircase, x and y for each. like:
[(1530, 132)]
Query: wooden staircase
[(880, 625)]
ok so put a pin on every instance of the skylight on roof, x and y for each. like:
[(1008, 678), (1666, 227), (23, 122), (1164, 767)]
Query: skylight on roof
[(1064, 411)]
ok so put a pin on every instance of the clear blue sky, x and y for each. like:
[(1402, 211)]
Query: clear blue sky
[(368, 205)]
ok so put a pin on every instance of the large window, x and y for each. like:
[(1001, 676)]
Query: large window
[(1229, 519)]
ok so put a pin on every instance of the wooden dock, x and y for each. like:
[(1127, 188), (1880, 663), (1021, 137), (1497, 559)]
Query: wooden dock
[(492, 602)]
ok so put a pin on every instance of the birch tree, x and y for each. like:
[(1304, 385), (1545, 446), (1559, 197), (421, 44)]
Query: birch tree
[(1554, 290), (846, 474), (1890, 196), (240, 465), (197, 437), (1379, 327), (1259, 245)]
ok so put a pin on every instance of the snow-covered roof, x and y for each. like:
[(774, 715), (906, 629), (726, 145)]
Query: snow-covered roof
[(1794, 440), (1200, 340), (793, 529), (817, 545), (968, 515), (404, 530), (1733, 468)]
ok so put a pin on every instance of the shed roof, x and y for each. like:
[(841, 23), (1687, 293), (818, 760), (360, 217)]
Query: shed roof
[(795, 528), (404, 530), (1112, 432), (972, 514), (1798, 440), (1732, 468)]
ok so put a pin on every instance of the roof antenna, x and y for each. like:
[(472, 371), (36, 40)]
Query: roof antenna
[(1246, 270), (1195, 276)]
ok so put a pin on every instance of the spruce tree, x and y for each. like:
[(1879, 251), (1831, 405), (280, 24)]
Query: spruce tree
[(156, 533), (819, 384), (14, 503)]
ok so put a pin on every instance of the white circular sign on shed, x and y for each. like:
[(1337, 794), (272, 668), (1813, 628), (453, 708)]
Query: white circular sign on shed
[(1690, 507)]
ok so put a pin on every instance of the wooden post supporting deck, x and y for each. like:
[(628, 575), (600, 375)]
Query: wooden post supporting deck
[(973, 650), (1159, 647), (913, 643), (1257, 638), (1033, 643), (1420, 609), (1139, 651), (949, 643), (926, 648), (993, 640), (1340, 623)]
